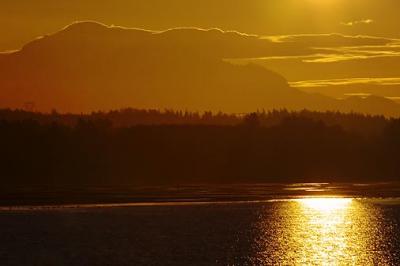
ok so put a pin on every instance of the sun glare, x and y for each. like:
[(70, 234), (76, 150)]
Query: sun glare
[(325, 204)]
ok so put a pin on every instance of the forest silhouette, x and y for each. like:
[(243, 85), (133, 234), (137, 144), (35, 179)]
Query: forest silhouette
[(150, 147)]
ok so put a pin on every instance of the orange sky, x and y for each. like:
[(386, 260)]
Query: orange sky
[(22, 20), (337, 48)]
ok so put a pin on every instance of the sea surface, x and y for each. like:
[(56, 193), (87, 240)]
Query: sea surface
[(293, 230)]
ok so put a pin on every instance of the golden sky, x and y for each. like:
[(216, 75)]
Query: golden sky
[(337, 48), (22, 20)]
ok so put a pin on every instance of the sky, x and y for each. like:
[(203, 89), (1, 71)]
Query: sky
[(23, 20), (338, 48)]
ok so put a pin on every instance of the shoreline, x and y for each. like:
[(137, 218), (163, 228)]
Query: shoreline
[(191, 194)]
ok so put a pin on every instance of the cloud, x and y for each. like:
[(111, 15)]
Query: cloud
[(326, 48), (329, 82), (318, 48), (358, 22), (212, 42), (330, 40), (299, 69), (335, 56), (342, 88)]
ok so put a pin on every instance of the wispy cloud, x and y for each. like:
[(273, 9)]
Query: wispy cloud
[(360, 87), (336, 82), (358, 22)]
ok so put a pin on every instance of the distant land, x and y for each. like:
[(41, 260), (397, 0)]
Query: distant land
[(89, 66)]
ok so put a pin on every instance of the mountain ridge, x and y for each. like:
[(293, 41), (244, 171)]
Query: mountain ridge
[(90, 66)]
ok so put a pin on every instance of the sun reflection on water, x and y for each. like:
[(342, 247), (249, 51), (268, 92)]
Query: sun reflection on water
[(326, 222), (321, 231), (325, 205)]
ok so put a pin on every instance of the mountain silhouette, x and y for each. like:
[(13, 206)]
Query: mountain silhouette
[(88, 66)]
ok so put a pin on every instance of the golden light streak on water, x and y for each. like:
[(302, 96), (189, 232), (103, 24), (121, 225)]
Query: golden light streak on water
[(326, 223), (321, 231), (325, 205)]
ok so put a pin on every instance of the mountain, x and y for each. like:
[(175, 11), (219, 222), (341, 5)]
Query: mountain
[(89, 66)]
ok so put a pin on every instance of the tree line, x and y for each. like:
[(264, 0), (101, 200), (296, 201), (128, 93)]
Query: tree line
[(355, 122), (168, 148)]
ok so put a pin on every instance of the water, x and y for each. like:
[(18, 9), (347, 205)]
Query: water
[(301, 231)]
